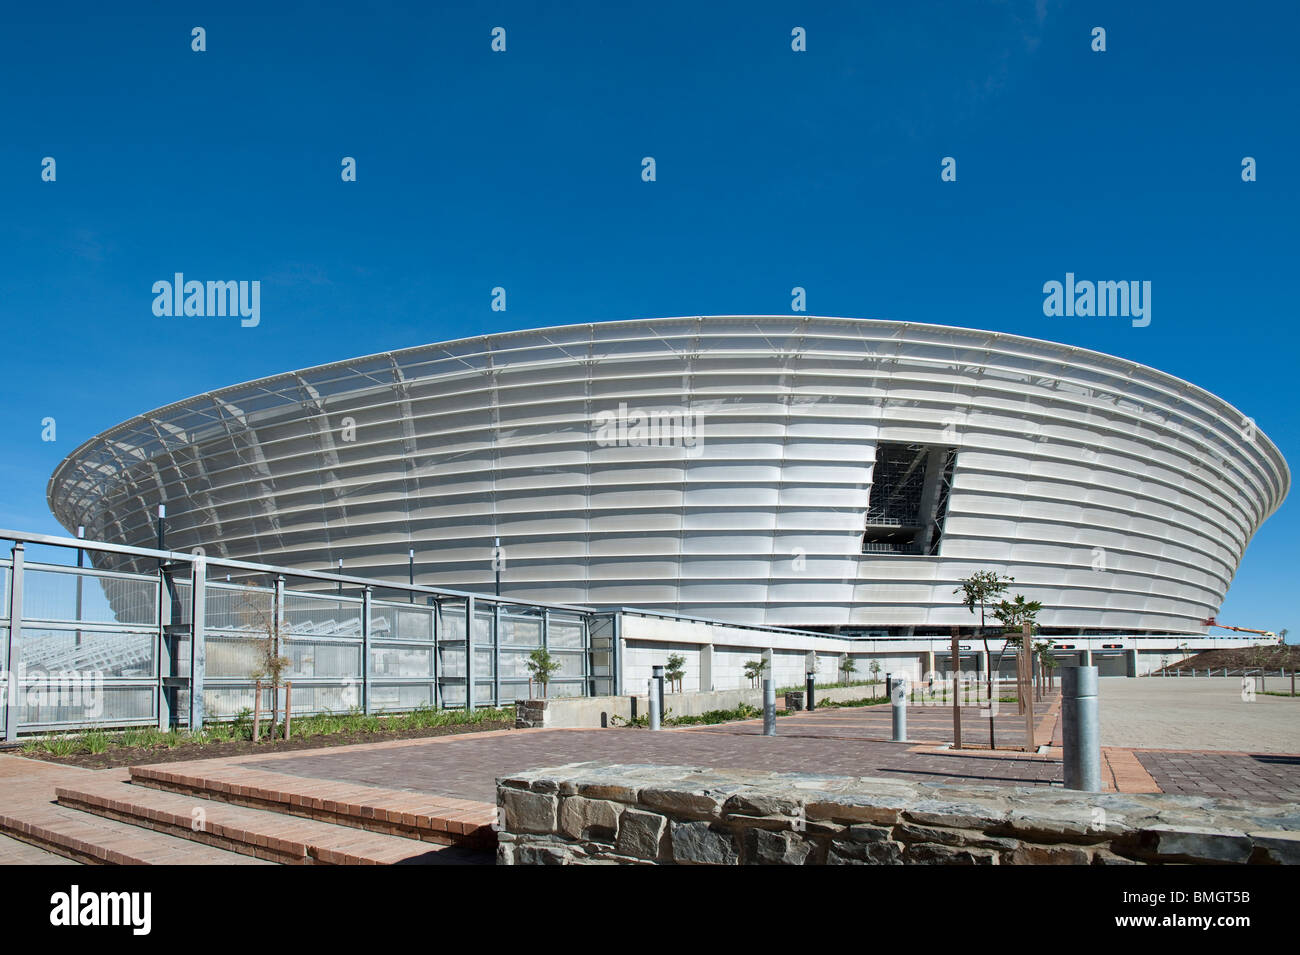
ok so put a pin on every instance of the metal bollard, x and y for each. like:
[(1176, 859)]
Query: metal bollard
[(1080, 730), (658, 672), (809, 682), (769, 708), (898, 703), (653, 700)]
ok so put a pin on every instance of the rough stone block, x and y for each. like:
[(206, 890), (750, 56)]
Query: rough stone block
[(1029, 854), (908, 832), (527, 811), (928, 854), (1278, 847), (595, 819), (697, 804), (640, 833), (1194, 844), (759, 804), (777, 848), (699, 843)]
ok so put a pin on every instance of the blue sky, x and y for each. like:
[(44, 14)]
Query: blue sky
[(522, 170)]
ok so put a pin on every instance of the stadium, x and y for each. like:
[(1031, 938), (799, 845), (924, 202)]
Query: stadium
[(827, 474)]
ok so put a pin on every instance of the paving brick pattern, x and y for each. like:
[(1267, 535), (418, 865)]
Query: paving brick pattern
[(1254, 777), (848, 741), (28, 813), (13, 852), (269, 835)]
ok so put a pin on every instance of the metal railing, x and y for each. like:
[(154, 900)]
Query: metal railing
[(87, 647)]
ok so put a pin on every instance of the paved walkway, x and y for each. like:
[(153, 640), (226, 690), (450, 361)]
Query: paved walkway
[(848, 741), (1196, 714)]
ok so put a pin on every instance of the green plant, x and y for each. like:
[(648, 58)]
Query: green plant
[(754, 670), (847, 666), (541, 666), (875, 671), (94, 741), (675, 670), (62, 745)]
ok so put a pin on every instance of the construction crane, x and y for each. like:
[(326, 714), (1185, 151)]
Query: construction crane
[(1211, 622)]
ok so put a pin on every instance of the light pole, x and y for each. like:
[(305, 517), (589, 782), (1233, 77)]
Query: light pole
[(162, 530), (81, 562), (496, 562), (410, 572)]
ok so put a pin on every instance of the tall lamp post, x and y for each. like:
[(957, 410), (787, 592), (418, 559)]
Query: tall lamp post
[(81, 562), (496, 562)]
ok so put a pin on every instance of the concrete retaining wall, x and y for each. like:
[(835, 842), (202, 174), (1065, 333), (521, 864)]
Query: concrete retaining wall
[(587, 813), (597, 711)]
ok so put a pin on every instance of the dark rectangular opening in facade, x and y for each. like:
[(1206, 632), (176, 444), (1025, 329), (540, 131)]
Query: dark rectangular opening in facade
[(910, 487)]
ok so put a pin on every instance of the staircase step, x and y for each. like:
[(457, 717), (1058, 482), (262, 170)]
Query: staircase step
[(265, 834), (411, 815), (97, 841)]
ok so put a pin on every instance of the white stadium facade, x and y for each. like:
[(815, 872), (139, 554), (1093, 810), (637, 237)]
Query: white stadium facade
[(828, 474)]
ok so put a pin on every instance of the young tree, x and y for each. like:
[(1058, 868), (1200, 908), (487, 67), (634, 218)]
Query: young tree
[(1013, 615), (271, 664), (1047, 660), (754, 670), (875, 671), (541, 665), (675, 670), (979, 590), (848, 666)]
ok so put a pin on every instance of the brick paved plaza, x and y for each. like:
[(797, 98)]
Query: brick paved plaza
[(448, 783)]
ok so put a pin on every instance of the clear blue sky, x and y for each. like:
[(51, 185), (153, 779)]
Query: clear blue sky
[(522, 170)]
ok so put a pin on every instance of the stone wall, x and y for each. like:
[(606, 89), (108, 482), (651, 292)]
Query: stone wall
[(597, 813)]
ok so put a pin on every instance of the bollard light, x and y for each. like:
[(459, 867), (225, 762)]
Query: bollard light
[(1080, 729), (898, 709), (652, 700), (810, 681), (769, 707)]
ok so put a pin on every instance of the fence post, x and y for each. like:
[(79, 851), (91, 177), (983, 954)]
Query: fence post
[(366, 597), (14, 648), (617, 648), (198, 640), (469, 654), (288, 708), (257, 711), (1080, 733)]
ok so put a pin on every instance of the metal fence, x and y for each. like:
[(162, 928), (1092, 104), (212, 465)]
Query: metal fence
[(83, 647)]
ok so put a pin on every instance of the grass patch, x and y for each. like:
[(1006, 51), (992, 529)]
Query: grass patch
[(866, 701), (241, 729), (742, 712)]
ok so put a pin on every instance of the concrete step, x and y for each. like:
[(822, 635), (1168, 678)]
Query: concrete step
[(265, 834), (394, 812), (98, 841)]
